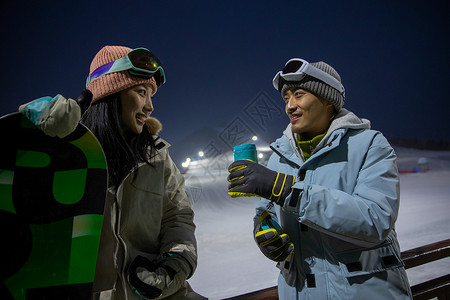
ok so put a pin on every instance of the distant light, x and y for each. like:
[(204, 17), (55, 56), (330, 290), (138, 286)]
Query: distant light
[(201, 153), (260, 155), (186, 163), (254, 138)]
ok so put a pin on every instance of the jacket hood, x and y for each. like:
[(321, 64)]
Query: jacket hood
[(347, 119), (154, 125)]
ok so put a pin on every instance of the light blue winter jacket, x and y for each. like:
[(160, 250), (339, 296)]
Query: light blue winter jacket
[(340, 215)]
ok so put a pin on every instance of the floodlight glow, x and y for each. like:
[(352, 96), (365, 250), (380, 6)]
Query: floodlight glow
[(186, 163), (254, 138), (201, 153)]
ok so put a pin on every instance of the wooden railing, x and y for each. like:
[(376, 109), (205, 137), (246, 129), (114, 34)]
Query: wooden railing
[(437, 287)]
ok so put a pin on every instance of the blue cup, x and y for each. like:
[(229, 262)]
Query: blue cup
[(246, 151)]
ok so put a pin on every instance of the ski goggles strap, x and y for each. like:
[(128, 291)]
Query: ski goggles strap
[(139, 62), (296, 69)]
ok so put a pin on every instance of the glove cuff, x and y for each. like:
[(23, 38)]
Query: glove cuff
[(281, 188), (84, 100), (175, 264)]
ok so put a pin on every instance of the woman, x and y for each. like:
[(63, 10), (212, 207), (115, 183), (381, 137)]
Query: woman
[(332, 184), (147, 245)]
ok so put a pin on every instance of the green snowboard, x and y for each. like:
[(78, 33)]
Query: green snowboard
[(52, 196)]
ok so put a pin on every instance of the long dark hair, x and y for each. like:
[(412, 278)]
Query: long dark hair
[(124, 151)]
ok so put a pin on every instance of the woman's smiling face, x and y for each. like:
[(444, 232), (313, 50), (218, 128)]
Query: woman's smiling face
[(136, 103)]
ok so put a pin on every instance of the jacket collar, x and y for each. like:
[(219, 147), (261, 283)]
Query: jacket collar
[(160, 145), (286, 146)]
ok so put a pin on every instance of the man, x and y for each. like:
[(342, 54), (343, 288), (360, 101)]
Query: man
[(330, 195)]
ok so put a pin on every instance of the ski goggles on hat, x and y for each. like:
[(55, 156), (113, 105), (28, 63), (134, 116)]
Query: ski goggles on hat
[(139, 62), (296, 69)]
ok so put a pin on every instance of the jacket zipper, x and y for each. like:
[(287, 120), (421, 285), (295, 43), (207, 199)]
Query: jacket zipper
[(281, 155), (116, 226)]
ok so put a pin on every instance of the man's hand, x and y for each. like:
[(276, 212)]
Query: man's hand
[(251, 179), (271, 240)]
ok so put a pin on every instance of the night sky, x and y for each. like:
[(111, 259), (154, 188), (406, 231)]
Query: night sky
[(221, 56)]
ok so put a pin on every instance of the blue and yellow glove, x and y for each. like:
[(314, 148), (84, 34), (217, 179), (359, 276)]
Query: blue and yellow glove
[(271, 240), (248, 179)]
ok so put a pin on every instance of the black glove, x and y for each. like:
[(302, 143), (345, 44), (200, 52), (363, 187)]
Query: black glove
[(141, 288), (84, 100), (271, 240), (251, 179), (161, 279)]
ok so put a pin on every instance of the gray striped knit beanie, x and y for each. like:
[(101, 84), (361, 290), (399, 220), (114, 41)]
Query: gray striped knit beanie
[(319, 88)]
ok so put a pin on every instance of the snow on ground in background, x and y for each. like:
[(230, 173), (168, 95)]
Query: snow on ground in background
[(230, 263), (424, 208)]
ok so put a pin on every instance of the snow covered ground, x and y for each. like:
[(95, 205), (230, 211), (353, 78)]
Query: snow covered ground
[(230, 263)]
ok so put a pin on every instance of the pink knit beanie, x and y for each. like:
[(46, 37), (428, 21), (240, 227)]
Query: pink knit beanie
[(113, 82)]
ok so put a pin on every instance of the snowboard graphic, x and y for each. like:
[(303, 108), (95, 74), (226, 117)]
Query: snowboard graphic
[(52, 195)]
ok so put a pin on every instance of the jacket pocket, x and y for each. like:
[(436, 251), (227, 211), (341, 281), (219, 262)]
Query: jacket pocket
[(367, 261), (149, 179)]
